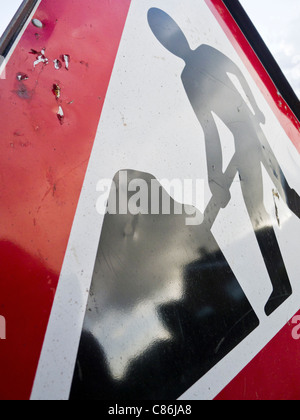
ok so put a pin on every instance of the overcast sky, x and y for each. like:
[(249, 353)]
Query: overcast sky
[(7, 10), (278, 21)]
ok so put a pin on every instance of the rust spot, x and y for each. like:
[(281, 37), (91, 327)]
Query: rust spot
[(276, 194), (56, 90)]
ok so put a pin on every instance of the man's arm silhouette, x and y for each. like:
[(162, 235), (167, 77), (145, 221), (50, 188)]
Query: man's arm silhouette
[(218, 183), (232, 68)]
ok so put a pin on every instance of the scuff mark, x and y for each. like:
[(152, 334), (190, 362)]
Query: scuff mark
[(123, 119), (25, 144), (54, 181), (23, 92), (34, 52), (84, 63), (219, 345), (18, 133), (276, 195)]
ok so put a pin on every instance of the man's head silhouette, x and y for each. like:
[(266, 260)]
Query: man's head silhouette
[(168, 33)]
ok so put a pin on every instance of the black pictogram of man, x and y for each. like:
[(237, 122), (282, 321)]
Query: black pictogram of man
[(210, 90)]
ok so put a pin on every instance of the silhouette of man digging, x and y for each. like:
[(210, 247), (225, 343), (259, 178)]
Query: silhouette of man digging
[(210, 90)]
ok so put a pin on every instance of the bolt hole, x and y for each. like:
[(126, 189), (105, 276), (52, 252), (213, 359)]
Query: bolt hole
[(37, 23)]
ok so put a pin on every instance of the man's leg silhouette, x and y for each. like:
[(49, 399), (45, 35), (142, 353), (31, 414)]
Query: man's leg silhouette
[(288, 195), (252, 188)]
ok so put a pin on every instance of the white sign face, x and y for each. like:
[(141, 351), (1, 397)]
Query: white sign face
[(190, 112)]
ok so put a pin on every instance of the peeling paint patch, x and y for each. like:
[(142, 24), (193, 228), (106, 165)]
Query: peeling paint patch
[(57, 64), (22, 76), (60, 115), (40, 57), (66, 59)]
